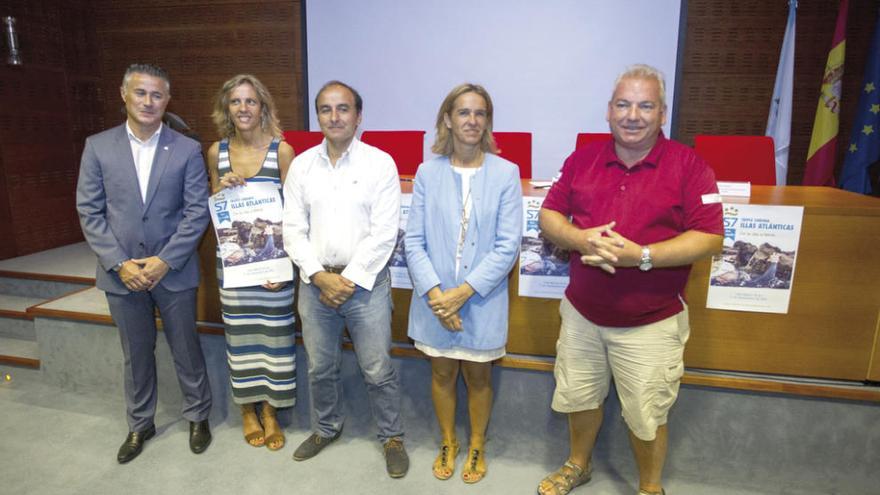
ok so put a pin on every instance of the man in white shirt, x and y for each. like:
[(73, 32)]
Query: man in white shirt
[(142, 199), (342, 202)]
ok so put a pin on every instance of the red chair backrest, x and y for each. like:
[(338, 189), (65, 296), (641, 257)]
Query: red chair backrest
[(303, 140), (584, 138), (516, 147), (406, 147), (739, 158)]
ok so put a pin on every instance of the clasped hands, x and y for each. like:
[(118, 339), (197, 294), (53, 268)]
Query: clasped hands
[(141, 274), (606, 249), (446, 303), (335, 289)]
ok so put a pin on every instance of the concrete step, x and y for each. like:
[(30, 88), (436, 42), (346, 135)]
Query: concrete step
[(15, 322), (19, 352), (42, 286)]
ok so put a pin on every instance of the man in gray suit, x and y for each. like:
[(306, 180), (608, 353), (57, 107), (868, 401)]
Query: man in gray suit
[(142, 199)]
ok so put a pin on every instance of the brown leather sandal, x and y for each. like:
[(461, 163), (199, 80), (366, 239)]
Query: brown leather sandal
[(444, 464), (566, 478), (274, 434), (253, 430)]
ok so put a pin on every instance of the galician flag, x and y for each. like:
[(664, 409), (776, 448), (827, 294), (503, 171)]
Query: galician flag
[(864, 140), (823, 144), (779, 120)]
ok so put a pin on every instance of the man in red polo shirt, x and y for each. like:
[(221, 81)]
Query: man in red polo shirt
[(635, 212)]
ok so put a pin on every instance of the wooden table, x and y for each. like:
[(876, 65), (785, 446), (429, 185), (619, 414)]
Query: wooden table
[(830, 331)]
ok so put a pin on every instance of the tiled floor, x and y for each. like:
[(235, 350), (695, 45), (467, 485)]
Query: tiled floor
[(64, 442)]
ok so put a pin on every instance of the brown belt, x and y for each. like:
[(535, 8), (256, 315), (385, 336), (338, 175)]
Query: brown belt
[(334, 269)]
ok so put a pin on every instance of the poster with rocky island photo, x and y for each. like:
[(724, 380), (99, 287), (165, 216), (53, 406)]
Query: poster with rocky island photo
[(399, 271), (543, 267), (755, 269), (247, 221)]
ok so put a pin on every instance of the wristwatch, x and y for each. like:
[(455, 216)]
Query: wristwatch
[(645, 263), (118, 266)]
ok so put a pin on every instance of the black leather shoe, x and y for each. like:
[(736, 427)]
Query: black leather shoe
[(134, 444), (199, 436)]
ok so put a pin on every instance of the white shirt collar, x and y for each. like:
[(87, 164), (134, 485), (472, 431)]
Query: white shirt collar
[(131, 134), (322, 150)]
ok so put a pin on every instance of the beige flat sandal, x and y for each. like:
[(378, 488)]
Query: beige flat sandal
[(566, 479)]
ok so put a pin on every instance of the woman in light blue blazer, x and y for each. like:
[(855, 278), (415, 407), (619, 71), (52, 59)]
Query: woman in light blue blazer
[(462, 239)]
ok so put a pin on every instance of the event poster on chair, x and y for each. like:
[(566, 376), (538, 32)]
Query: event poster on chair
[(543, 267), (399, 271), (755, 270), (247, 221)]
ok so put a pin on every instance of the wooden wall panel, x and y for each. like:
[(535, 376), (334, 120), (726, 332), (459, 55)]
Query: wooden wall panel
[(729, 68), (42, 121), (202, 44)]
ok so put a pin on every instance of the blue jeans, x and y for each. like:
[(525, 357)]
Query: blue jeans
[(367, 315)]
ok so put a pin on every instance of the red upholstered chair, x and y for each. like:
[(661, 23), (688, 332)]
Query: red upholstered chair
[(739, 158), (591, 137), (516, 147), (406, 147), (303, 140)]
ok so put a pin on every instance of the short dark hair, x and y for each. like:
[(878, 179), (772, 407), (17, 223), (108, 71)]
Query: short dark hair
[(358, 101), (148, 69)]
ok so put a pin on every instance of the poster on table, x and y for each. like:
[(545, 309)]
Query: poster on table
[(247, 221), (755, 270), (543, 267), (399, 271)]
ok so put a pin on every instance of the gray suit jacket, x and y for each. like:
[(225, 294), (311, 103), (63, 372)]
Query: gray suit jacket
[(119, 226)]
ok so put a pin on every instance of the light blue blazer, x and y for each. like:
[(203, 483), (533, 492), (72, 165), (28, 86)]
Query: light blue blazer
[(490, 250), (119, 225)]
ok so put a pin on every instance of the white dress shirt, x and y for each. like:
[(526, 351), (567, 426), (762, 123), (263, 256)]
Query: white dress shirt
[(342, 215), (143, 153)]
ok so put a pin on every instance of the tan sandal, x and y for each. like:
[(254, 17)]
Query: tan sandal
[(444, 464), (274, 434), (253, 430), (475, 468), (566, 478)]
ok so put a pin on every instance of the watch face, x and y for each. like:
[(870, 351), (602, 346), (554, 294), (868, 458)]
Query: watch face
[(645, 263)]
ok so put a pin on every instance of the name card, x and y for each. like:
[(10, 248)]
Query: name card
[(735, 189)]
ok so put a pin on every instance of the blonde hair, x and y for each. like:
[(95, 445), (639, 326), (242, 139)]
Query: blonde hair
[(268, 118), (443, 141), (644, 71)]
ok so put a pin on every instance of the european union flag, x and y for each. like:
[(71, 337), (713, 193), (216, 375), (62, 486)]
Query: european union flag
[(864, 140)]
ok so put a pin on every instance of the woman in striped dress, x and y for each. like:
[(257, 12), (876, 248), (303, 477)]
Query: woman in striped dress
[(258, 320)]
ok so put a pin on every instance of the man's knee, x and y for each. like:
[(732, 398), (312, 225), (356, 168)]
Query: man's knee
[(379, 371)]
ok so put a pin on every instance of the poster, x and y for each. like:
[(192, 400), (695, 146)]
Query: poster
[(543, 267), (755, 270), (399, 271), (247, 221)]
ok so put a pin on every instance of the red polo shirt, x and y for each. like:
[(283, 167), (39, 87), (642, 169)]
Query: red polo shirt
[(656, 199)]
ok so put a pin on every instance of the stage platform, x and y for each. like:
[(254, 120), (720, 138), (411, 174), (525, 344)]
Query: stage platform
[(56, 334)]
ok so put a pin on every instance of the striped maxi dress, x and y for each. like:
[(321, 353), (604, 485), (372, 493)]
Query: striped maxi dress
[(259, 323)]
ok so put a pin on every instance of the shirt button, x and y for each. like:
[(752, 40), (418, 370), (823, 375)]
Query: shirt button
[(623, 188)]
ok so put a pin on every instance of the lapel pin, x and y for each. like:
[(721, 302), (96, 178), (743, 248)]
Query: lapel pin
[(165, 148)]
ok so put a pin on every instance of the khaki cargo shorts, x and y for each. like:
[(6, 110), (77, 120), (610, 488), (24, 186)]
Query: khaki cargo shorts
[(646, 363)]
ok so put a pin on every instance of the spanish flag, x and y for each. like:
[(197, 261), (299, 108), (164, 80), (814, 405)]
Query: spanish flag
[(823, 144)]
